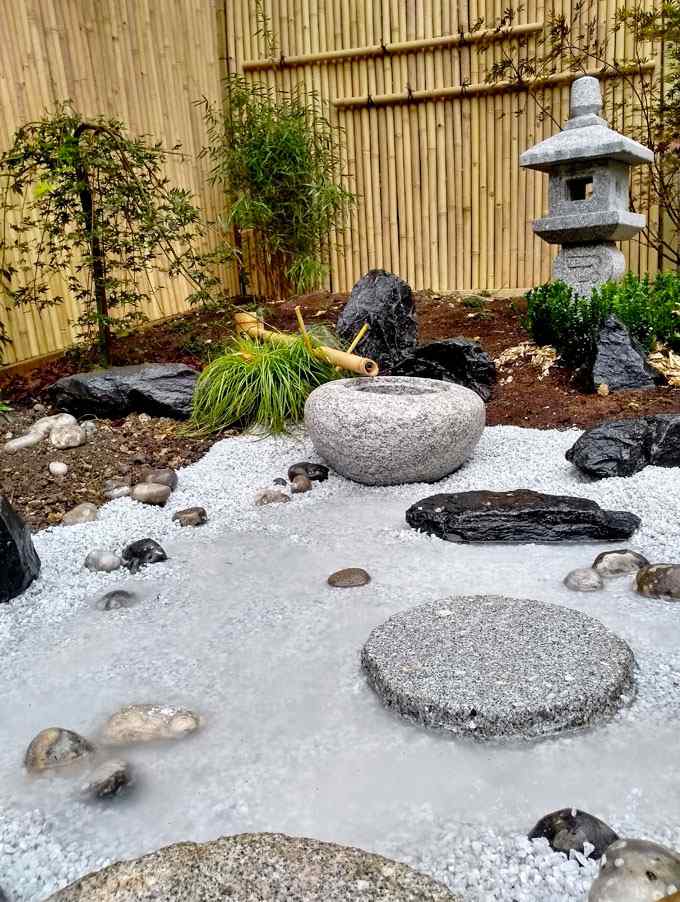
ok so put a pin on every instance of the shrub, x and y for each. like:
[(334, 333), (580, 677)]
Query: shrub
[(556, 315), (277, 158), (257, 383)]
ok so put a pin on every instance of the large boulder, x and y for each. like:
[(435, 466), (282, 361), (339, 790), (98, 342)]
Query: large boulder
[(267, 867), (385, 302), (19, 562), (624, 447), (159, 389), (456, 360), (519, 516), (619, 360)]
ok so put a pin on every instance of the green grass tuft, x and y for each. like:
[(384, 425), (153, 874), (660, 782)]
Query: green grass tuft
[(257, 384)]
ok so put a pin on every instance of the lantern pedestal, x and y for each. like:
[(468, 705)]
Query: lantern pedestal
[(585, 266)]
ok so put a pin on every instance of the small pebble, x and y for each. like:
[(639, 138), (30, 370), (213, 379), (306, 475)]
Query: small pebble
[(270, 496), (301, 484), (192, 516), (107, 780), (142, 552), (116, 599), (102, 561), (55, 747), (166, 476), (89, 427), (57, 468), (280, 481), (611, 564), (70, 436), (147, 723), (349, 578), (584, 579), (315, 472), (23, 441), (82, 513), (151, 493)]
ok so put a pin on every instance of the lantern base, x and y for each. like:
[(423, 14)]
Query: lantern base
[(587, 266)]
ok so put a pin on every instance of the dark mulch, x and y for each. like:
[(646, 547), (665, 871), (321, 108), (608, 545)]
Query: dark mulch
[(520, 398)]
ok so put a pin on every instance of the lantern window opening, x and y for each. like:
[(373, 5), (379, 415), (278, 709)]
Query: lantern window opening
[(580, 188)]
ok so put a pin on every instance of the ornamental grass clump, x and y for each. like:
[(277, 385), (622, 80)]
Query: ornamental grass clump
[(258, 383)]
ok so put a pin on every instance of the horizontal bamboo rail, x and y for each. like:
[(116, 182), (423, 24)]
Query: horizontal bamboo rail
[(380, 50), (362, 366), (479, 90)]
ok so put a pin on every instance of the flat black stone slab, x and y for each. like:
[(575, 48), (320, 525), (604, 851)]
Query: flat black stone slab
[(518, 516), (486, 666)]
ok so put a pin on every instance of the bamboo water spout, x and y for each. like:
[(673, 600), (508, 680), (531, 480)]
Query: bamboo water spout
[(249, 324)]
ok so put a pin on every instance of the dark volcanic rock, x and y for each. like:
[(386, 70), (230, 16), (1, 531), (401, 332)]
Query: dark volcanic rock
[(619, 360), (519, 516), (453, 360), (625, 447), (142, 552), (385, 302), (19, 562), (570, 828), (159, 389)]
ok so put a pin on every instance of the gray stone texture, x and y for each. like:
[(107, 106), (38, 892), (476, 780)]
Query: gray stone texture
[(584, 579), (585, 266), (622, 562), (19, 561), (588, 165), (488, 666), (394, 429), (159, 389), (659, 581), (519, 516), (619, 360), (56, 747), (624, 447), (257, 867), (385, 303), (636, 870)]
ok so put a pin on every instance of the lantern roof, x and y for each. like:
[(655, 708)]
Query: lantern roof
[(586, 136)]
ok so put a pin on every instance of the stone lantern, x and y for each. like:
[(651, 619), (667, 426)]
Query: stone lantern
[(588, 166)]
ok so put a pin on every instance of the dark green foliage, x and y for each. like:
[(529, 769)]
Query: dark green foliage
[(278, 160), (84, 201), (257, 383), (649, 310)]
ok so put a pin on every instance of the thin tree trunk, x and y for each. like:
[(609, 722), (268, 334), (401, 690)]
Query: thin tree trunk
[(98, 263)]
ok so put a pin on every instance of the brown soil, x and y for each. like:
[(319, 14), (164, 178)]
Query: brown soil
[(521, 398)]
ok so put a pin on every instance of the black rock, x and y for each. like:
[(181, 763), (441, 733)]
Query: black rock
[(385, 302), (159, 389), (19, 562), (620, 360), (313, 472), (452, 360), (142, 552), (624, 447), (570, 828), (519, 516), (116, 599)]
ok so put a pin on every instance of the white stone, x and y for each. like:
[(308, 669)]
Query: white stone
[(23, 441), (69, 436), (151, 493), (636, 870), (57, 468), (146, 723), (584, 579), (394, 429), (45, 425), (102, 560)]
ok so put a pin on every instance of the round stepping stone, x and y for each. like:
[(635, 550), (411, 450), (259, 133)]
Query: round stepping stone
[(487, 666), (269, 867), (349, 578)]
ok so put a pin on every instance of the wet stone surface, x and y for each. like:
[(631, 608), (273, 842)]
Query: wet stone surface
[(488, 666)]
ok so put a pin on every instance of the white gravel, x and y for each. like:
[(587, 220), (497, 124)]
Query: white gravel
[(240, 625)]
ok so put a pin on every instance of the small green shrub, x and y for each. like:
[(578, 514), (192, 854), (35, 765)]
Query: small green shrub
[(557, 316), (257, 383)]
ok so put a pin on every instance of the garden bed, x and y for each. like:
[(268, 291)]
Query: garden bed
[(520, 398)]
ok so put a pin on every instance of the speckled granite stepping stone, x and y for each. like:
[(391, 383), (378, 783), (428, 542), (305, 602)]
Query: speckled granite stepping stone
[(488, 666), (267, 867)]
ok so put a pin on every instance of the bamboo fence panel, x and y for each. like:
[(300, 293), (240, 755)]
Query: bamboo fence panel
[(142, 61), (429, 148)]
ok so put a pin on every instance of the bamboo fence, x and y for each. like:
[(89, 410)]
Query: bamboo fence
[(429, 147)]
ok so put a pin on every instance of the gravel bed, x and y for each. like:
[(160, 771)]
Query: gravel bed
[(240, 625)]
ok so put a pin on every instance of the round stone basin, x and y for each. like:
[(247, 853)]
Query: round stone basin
[(390, 430), (487, 666)]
